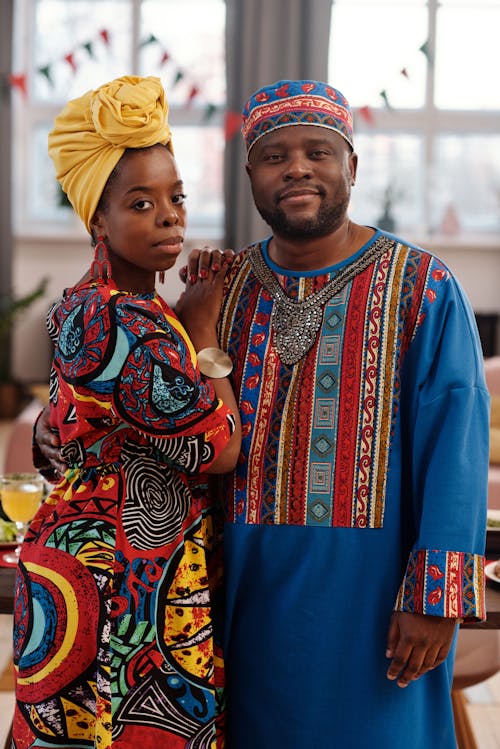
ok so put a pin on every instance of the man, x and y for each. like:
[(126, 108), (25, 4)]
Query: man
[(355, 521), (356, 517)]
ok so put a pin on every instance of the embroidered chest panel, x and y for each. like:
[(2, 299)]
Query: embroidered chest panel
[(317, 434)]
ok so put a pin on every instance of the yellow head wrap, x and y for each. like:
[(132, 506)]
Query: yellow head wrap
[(91, 134)]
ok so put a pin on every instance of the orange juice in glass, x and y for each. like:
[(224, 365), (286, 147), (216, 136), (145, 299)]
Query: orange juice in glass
[(20, 494)]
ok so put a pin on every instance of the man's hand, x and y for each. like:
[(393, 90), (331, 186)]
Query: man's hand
[(48, 441), (417, 643)]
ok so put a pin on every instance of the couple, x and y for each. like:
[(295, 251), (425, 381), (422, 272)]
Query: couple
[(355, 514)]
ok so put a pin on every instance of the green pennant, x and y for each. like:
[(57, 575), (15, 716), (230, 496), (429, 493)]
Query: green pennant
[(178, 77), (383, 95), (150, 40), (45, 71), (90, 49), (209, 112), (425, 49)]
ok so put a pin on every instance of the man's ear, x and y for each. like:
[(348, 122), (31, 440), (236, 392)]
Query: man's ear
[(353, 165)]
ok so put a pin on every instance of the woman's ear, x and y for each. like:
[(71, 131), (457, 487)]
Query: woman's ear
[(96, 226)]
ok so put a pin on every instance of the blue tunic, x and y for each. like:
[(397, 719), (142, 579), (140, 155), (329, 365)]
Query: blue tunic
[(362, 491)]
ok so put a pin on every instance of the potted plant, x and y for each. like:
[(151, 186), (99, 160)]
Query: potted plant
[(11, 392)]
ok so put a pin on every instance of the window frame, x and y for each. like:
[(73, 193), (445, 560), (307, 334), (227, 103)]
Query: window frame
[(429, 122), (27, 113)]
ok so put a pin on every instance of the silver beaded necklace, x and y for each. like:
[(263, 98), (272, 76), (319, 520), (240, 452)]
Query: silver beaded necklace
[(296, 322)]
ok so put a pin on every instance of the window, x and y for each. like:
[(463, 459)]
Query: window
[(67, 47), (420, 77)]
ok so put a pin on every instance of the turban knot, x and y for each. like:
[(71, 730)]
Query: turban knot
[(92, 132)]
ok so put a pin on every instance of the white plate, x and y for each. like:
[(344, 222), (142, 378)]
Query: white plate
[(489, 571)]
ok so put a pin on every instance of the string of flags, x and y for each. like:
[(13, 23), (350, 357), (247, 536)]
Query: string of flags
[(194, 89), (73, 58), (366, 112)]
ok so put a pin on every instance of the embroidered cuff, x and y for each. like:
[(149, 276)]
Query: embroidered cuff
[(444, 583)]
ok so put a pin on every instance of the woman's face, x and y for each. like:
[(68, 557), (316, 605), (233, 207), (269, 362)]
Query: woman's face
[(142, 217)]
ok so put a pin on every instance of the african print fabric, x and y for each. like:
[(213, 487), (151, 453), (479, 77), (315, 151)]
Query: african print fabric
[(361, 490), (115, 639)]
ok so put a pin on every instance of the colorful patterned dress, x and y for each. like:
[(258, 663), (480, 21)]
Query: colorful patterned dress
[(115, 639), (363, 490)]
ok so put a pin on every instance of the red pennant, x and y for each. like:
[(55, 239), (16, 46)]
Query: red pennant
[(232, 124), (367, 114), (19, 82), (165, 57), (404, 72), (104, 34), (193, 93), (70, 59)]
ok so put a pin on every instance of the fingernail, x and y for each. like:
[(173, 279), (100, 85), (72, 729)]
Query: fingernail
[(215, 266), (203, 273), (192, 278)]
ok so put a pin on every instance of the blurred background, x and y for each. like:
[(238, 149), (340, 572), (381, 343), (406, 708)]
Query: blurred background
[(421, 76)]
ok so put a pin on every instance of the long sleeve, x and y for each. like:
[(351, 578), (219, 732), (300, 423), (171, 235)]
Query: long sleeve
[(445, 411)]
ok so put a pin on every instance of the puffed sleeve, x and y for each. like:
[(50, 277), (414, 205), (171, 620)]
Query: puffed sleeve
[(130, 357), (445, 413)]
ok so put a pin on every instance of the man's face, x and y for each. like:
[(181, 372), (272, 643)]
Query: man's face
[(301, 179)]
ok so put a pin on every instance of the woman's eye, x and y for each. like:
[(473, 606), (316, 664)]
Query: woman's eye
[(179, 199), (143, 205)]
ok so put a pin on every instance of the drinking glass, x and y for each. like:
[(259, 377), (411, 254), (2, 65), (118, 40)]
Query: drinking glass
[(20, 494)]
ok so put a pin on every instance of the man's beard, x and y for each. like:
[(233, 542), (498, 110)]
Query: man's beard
[(326, 221)]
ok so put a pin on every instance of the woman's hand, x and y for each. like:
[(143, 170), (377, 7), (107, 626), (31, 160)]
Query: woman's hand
[(199, 305)]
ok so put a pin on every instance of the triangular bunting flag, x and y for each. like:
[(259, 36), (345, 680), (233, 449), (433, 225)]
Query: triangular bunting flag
[(178, 77), (19, 82), (383, 95), (209, 112), (150, 40), (165, 57), (45, 71), (70, 59), (425, 49), (193, 93), (90, 48), (232, 124), (367, 114), (104, 34)]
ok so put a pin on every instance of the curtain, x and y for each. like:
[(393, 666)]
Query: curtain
[(6, 33), (266, 40)]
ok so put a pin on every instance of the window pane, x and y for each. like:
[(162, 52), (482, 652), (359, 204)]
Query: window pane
[(389, 186), (199, 155), (366, 55), (45, 199), (468, 56), (197, 54), (467, 182), (64, 28)]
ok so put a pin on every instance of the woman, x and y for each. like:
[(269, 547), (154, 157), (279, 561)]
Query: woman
[(114, 634)]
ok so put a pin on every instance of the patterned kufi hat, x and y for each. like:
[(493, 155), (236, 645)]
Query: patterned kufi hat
[(92, 132), (287, 103)]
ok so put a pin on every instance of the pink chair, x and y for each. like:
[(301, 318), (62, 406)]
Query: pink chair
[(478, 651), (17, 457), (492, 371)]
